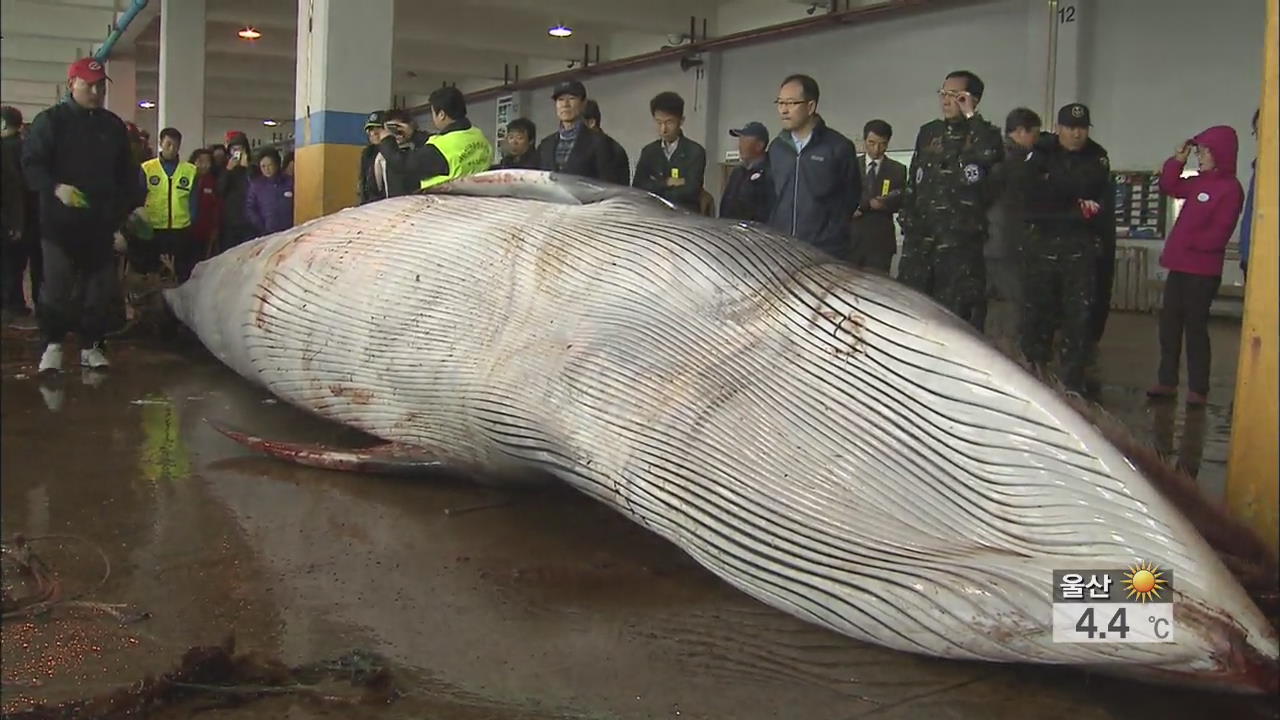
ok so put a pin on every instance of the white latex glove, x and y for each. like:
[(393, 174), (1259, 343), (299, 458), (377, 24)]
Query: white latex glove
[(66, 194)]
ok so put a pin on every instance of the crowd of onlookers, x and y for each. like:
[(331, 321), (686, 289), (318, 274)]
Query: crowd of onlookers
[(86, 194), (1017, 213)]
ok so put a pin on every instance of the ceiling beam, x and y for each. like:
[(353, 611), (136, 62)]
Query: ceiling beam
[(221, 38), (261, 15), (81, 4), (40, 19), (45, 72), (20, 47), (144, 24), (29, 91), (230, 65)]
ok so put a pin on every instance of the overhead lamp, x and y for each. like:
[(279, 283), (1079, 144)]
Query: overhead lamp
[(146, 104), (249, 33), (560, 30), (270, 123)]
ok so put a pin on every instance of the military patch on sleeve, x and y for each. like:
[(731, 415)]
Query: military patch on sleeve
[(919, 175), (1105, 162), (972, 173)]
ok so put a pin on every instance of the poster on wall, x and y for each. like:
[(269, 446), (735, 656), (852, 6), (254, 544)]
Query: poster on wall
[(508, 110)]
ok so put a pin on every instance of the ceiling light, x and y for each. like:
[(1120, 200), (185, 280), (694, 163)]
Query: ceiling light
[(249, 33), (270, 123), (146, 104), (560, 30)]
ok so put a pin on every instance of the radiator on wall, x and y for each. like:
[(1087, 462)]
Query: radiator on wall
[(1131, 288)]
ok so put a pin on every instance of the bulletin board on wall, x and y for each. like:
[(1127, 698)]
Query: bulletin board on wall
[(1141, 210)]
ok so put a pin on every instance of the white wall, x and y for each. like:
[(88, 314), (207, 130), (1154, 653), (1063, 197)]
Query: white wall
[(1152, 71), (888, 69), (1157, 72)]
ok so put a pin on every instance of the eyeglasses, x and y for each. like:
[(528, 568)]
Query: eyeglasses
[(789, 103), (943, 92)]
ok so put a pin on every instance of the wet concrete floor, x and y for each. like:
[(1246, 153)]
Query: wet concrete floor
[(544, 605)]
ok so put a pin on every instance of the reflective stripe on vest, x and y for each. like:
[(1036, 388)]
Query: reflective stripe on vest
[(467, 152), (169, 198)]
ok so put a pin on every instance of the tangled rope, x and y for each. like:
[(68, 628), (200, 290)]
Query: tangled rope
[(18, 557)]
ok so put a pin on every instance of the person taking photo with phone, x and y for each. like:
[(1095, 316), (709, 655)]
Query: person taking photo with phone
[(1194, 253), (233, 189)]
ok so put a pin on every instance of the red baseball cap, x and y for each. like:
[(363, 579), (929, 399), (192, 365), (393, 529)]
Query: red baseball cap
[(87, 69)]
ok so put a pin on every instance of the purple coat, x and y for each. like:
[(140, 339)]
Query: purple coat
[(269, 203), (1197, 245)]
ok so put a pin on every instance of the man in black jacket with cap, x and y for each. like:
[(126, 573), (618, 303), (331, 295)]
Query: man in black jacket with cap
[(1068, 189), (748, 195), (574, 149), (373, 130), (77, 158)]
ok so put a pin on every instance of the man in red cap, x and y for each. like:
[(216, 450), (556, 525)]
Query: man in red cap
[(77, 157)]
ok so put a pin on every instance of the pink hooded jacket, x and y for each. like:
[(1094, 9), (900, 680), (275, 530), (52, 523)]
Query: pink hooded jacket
[(1214, 199)]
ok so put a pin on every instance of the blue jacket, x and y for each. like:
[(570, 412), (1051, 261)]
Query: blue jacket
[(1246, 220), (269, 203), (815, 190)]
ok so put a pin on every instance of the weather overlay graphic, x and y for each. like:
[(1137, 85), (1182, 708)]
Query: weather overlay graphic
[(1130, 605)]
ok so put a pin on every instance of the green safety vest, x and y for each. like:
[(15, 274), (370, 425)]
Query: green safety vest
[(169, 198), (467, 152)]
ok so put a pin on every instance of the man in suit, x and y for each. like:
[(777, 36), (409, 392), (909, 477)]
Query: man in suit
[(672, 166), (574, 149), (874, 240)]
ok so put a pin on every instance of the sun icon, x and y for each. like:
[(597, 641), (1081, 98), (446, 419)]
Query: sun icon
[(1144, 581)]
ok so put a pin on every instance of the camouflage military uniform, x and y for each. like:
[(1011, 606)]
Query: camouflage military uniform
[(944, 213), (1061, 254)]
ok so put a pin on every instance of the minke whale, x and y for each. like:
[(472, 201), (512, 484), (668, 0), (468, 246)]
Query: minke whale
[(832, 443)]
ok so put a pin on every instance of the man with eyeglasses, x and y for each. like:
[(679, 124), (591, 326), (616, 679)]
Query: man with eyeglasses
[(944, 209), (815, 172)]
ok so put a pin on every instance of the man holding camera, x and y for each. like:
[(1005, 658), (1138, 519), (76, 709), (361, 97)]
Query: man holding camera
[(395, 179), (457, 150)]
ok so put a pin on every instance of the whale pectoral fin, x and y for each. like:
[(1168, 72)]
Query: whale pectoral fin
[(390, 458)]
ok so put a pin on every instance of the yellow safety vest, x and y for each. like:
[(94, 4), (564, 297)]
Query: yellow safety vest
[(467, 152), (169, 198)]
